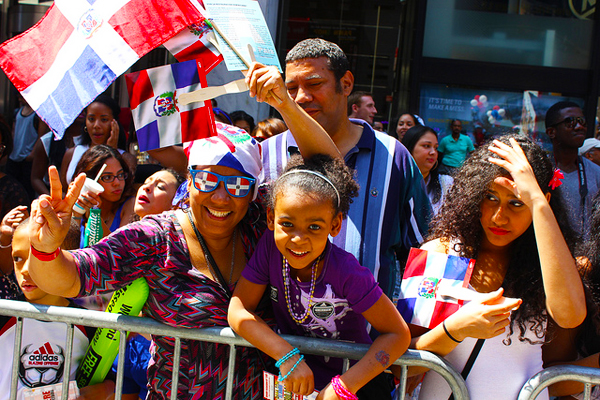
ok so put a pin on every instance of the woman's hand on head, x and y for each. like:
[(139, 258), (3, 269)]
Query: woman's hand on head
[(484, 318), (51, 214), (113, 139), (301, 380), (514, 161)]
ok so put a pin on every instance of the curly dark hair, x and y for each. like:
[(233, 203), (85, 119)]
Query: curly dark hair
[(92, 160), (335, 170), (458, 222), (116, 110)]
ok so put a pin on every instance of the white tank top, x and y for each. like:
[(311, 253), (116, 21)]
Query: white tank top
[(498, 373)]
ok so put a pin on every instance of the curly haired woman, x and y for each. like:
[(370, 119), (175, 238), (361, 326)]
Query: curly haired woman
[(500, 211)]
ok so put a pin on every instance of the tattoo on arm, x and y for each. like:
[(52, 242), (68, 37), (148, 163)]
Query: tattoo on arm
[(382, 358)]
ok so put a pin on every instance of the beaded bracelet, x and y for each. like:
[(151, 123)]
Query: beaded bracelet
[(341, 391), (283, 378), (40, 255), (448, 333), (289, 355)]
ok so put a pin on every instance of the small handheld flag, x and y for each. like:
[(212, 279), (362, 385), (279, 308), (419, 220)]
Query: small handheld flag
[(427, 271), (160, 120), (80, 47)]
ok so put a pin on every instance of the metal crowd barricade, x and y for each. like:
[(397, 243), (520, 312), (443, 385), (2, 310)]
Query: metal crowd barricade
[(123, 324), (586, 375)]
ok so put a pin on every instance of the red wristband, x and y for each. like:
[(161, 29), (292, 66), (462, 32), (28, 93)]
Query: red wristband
[(40, 255)]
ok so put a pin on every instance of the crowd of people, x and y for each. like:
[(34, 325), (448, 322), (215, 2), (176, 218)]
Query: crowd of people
[(302, 226)]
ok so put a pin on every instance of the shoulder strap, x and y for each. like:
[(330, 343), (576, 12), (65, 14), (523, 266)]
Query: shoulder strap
[(470, 361), (212, 264)]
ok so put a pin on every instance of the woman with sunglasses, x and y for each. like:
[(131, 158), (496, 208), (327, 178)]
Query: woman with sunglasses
[(567, 128), (191, 259), (116, 201)]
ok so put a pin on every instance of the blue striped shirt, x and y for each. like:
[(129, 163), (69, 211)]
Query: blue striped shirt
[(392, 209)]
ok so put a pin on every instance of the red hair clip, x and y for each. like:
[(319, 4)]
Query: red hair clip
[(556, 180)]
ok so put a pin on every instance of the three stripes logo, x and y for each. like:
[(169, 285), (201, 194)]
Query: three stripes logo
[(43, 366)]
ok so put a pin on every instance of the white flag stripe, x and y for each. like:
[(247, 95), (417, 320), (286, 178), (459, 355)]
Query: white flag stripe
[(180, 41), (170, 128), (144, 113), (112, 49), (70, 52), (162, 80), (40, 90), (410, 287), (72, 10), (423, 311), (436, 264)]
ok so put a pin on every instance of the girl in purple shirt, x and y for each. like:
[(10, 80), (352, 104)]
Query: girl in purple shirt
[(317, 289)]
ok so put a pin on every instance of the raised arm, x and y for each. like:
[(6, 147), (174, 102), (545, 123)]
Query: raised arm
[(51, 268), (247, 324), (565, 299), (171, 157), (392, 342), (267, 85)]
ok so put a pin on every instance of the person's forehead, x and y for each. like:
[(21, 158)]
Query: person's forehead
[(571, 112), (163, 176), (308, 68), (457, 123), (367, 100)]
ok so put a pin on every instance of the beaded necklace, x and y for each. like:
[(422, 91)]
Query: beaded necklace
[(286, 284)]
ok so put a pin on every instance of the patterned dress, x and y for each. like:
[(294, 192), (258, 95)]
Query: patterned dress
[(156, 249)]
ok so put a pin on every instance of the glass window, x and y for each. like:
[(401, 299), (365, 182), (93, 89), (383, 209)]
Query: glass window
[(550, 33), (488, 113), (368, 32)]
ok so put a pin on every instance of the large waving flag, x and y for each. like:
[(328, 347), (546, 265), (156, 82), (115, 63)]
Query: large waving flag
[(80, 47), (159, 120), (425, 272), (196, 43)]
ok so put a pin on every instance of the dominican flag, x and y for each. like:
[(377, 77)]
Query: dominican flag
[(196, 43), (80, 47), (419, 303), (159, 120)]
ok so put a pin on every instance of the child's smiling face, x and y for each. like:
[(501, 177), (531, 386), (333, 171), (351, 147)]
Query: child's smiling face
[(302, 223)]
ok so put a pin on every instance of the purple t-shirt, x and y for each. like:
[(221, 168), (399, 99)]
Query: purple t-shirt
[(343, 291)]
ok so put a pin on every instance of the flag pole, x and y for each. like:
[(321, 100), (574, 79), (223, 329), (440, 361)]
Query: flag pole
[(213, 25)]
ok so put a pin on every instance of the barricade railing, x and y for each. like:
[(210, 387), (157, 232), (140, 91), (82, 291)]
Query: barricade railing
[(536, 384), (122, 324)]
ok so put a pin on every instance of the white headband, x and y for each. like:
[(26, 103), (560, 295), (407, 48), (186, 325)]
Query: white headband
[(307, 171)]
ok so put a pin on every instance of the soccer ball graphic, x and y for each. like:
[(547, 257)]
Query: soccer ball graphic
[(40, 369)]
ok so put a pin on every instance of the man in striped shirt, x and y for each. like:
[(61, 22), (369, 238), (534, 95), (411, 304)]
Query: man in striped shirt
[(391, 212)]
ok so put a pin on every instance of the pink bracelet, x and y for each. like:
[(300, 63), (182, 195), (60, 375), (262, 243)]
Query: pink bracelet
[(341, 391)]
